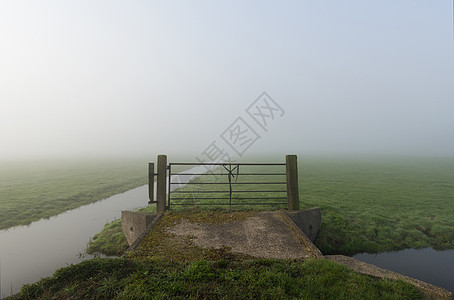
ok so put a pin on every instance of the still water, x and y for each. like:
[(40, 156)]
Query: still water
[(29, 253), (429, 265)]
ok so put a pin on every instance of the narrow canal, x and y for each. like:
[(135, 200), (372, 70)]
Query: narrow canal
[(29, 253), (429, 265)]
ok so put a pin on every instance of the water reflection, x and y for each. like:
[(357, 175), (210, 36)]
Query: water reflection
[(429, 265), (29, 253)]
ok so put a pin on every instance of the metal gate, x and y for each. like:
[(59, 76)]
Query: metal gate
[(224, 184), (227, 189)]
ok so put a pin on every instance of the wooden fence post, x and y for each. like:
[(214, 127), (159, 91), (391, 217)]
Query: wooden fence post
[(161, 184), (293, 200), (151, 183)]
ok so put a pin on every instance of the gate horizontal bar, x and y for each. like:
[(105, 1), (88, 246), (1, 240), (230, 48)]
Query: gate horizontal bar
[(227, 164), (194, 192), (247, 203), (225, 174), (228, 183), (213, 198), (226, 198)]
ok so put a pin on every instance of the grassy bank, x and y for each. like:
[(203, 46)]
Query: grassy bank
[(111, 240), (35, 190), (367, 205), (380, 205), (370, 204), (223, 279)]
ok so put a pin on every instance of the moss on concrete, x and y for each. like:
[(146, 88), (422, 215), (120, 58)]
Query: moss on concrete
[(160, 244)]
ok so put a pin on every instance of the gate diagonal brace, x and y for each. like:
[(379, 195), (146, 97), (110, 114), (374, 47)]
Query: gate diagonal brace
[(230, 175)]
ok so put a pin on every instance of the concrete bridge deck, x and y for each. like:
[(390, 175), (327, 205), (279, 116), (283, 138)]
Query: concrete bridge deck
[(253, 234), (243, 235)]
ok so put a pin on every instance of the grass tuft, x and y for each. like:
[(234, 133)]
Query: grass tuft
[(226, 279)]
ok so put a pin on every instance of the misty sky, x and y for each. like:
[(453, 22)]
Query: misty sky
[(127, 78)]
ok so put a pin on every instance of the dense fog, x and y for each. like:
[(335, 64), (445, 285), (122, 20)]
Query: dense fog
[(114, 78)]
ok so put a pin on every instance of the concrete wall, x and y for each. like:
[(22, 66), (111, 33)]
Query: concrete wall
[(307, 220), (134, 224)]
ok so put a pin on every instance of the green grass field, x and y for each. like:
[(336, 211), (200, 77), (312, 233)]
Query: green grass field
[(376, 205), (35, 190), (223, 279), (368, 204)]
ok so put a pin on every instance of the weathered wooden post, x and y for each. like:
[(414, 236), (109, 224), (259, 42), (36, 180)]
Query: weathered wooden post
[(293, 200), (161, 184), (151, 183)]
